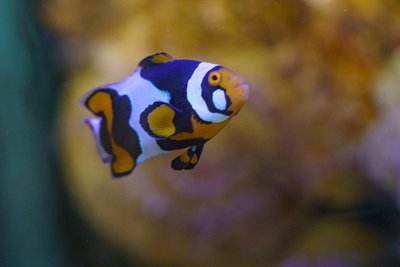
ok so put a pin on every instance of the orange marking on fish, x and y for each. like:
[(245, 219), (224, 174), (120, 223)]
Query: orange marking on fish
[(102, 102), (201, 130)]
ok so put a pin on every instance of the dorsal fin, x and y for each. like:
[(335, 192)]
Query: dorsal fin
[(158, 58)]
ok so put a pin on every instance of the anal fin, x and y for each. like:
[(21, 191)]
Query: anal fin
[(188, 159)]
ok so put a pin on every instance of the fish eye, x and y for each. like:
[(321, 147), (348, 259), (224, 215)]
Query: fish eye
[(214, 78)]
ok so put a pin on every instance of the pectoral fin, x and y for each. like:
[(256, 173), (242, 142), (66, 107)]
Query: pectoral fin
[(158, 120), (188, 159)]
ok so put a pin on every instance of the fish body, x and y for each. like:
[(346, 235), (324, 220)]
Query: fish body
[(166, 104)]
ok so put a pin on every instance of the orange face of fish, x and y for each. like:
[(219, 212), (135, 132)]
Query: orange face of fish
[(234, 85), (231, 86)]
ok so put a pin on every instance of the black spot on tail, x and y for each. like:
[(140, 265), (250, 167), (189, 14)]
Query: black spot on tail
[(104, 136), (122, 132)]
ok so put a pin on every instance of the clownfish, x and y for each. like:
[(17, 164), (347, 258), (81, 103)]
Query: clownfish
[(166, 104)]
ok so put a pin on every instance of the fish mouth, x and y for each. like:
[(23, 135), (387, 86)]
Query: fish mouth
[(236, 89), (242, 89), (238, 95), (241, 84)]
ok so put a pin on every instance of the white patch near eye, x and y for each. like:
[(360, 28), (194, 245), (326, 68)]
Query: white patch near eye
[(194, 95), (219, 99)]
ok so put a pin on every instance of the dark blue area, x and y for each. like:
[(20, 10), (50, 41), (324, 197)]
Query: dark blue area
[(168, 144), (104, 136), (173, 77)]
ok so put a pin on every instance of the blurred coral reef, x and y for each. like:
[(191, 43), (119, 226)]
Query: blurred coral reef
[(306, 175)]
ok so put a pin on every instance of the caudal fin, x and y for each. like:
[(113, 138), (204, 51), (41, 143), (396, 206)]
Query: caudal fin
[(95, 126), (117, 143)]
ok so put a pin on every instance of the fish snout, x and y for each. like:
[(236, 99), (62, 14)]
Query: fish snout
[(235, 87), (238, 95)]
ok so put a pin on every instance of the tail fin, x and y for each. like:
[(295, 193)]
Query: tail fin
[(101, 143), (117, 143)]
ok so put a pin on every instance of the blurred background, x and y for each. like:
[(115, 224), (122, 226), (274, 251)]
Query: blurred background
[(308, 173)]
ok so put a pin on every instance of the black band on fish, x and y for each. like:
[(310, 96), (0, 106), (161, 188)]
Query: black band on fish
[(169, 144)]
